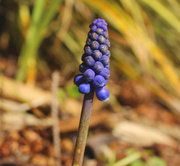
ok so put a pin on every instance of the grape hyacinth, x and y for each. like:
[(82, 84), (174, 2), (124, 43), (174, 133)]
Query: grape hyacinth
[(94, 77), (95, 65)]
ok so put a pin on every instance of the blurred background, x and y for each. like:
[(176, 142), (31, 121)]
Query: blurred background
[(138, 126)]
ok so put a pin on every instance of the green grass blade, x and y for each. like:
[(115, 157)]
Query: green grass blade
[(163, 11)]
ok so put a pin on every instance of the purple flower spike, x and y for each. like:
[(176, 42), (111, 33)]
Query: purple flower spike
[(95, 66), (94, 77)]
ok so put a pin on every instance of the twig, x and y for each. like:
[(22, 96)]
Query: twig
[(83, 128), (54, 107)]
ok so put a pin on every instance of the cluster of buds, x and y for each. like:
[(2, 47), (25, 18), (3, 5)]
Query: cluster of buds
[(95, 65)]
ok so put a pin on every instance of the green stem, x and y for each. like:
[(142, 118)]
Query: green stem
[(35, 35), (83, 129), (50, 13)]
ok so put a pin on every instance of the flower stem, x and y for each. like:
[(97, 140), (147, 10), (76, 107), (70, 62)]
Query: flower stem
[(83, 128)]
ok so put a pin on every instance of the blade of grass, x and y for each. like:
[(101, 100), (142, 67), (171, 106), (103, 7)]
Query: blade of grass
[(50, 13), (66, 18), (38, 11), (167, 15), (175, 6), (128, 160), (27, 58), (136, 11)]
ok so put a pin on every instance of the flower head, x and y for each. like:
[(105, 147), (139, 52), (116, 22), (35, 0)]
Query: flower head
[(94, 68)]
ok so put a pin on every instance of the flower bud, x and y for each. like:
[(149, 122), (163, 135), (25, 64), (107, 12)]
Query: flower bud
[(93, 28), (97, 54), (83, 67), (105, 34), (78, 79), (88, 50), (84, 88), (104, 60), (105, 73), (94, 45), (99, 31), (108, 53), (89, 75), (99, 81), (102, 94), (88, 41), (93, 36), (103, 48), (101, 39), (89, 61), (98, 67)]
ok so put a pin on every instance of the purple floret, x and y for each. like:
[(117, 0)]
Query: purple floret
[(104, 60), (93, 36), (102, 39), (88, 41), (89, 61), (94, 45), (97, 54), (99, 31), (98, 67), (102, 94), (79, 79), (88, 50), (103, 48), (93, 28), (108, 53), (84, 88), (89, 75), (105, 34), (83, 67), (105, 73), (99, 81)]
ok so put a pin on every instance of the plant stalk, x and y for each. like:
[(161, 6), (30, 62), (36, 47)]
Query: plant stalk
[(83, 129)]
